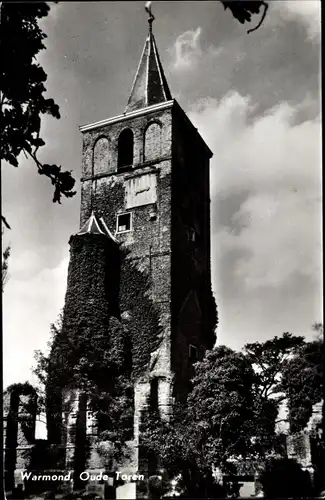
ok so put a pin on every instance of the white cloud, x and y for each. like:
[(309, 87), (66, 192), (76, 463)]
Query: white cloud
[(279, 165), (31, 302), (307, 12), (283, 236), (187, 51)]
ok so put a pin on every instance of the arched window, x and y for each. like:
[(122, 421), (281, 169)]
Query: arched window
[(125, 150), (152, 142), (100, 160)]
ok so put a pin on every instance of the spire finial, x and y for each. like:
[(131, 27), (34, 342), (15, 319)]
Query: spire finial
[(151, 16)]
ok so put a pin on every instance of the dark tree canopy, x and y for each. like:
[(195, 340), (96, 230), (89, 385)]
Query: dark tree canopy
[(215, 423), (269, 359), (22, 91), (302, 382)]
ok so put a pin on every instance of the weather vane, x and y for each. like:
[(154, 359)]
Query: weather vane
[(151, 16)]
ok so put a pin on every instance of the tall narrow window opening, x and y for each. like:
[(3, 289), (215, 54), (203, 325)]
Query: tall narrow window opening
[(125, 150), (154, 394)]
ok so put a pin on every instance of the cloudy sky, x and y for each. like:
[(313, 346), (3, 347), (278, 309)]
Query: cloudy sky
[(256, 101)]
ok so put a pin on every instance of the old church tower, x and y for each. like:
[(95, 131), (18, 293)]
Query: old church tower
[(142, 255)]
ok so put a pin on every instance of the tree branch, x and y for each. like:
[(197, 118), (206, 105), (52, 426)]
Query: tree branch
[(266, 6), (4, 220), (268, 387)]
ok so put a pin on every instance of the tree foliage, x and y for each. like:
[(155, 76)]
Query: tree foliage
[(214, 424), (268, 359), (223, 386), (22, 92), (302, 382), (97, 369)]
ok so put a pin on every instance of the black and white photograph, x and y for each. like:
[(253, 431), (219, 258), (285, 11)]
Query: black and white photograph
[(161, 222)]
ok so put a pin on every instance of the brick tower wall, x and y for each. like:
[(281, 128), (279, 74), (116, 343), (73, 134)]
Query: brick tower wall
[(148, 246), (193, 307), (170, 170)]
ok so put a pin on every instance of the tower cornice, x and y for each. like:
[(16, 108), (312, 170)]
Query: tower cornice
[(127, 116), (142, 112)]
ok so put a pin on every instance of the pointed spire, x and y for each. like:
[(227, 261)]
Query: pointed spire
[(150, 84), (96, 226)]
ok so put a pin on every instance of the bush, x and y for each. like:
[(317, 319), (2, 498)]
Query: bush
[(155, 487), (283, 478)]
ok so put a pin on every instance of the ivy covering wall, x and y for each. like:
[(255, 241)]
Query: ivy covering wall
[(110, 327)]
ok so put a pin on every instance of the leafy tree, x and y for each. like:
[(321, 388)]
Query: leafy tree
[(41, 368), (215, 423), (268, 359), (303, 382), (22, 88)]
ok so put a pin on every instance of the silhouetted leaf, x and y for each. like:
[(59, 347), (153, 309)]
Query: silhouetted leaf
[(242, 10)]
